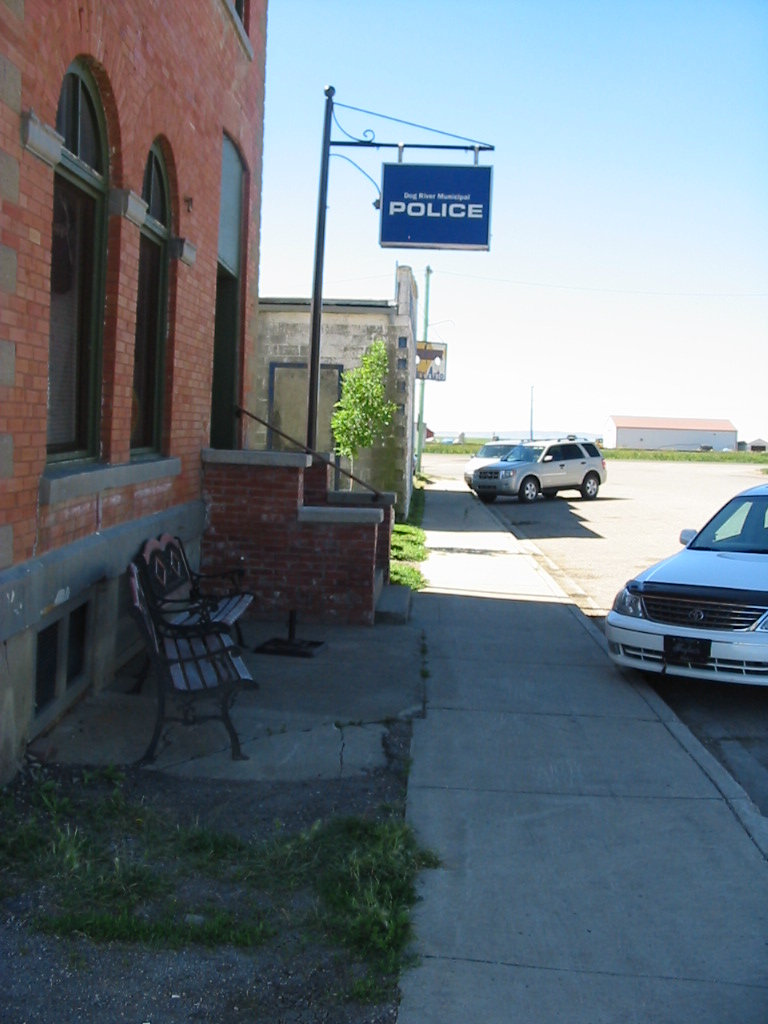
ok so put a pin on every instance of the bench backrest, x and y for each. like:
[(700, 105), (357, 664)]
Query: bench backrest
[(167, 572), (141, 609)]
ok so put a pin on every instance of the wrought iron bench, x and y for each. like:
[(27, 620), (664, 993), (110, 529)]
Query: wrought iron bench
[(193, 661), (187, 597)]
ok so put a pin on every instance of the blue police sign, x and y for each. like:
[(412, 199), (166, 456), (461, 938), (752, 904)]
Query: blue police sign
[(430, 206)]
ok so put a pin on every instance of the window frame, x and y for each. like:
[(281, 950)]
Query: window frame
[(94, 183)]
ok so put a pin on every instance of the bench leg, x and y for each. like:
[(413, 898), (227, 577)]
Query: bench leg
[(141, 676), (234, 739), (149, 754)]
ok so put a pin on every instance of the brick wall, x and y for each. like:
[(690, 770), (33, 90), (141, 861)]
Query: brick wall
[(158, 70), (314, 559), (179, 76)]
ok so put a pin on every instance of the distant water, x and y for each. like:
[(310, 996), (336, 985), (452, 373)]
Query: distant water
[(520, 434)]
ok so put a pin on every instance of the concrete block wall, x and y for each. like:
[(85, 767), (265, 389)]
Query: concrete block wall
[(349, 327)]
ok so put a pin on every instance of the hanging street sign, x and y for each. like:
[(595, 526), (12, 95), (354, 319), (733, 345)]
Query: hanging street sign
[(433, 206), (432, 359)]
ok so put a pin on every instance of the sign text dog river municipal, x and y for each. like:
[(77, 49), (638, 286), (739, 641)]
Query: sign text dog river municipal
[(431, 206)]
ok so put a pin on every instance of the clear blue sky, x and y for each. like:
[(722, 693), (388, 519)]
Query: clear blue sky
[(628, 267)]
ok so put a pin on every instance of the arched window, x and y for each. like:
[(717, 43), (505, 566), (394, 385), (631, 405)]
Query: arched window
[(149, 356), (78, 255)]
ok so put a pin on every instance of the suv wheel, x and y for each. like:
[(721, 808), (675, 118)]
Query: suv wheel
[(590, 486), (529, 489)]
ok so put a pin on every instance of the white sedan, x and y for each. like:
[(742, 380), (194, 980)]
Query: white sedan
[(703, 613), (491, 452)]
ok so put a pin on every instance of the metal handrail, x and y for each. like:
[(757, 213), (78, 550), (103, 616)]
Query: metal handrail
[(239, 411)]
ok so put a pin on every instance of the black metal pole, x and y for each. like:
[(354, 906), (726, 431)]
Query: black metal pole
[(316, 309)]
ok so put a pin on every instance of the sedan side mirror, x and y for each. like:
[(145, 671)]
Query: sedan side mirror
[(686, 536)]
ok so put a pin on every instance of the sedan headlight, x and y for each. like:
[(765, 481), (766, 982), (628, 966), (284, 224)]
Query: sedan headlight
[(629, 604)]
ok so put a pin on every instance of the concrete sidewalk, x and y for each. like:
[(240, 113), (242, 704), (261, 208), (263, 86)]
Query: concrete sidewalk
[(598, 864)]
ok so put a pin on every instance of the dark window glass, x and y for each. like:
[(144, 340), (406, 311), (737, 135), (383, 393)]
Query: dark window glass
[(145, 382), (77, 122), (71, 329), (150, 311), (47, 657), (66, 115), (153, 192)]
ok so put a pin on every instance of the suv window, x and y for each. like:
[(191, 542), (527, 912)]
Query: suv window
[(571, 451), (523, 453)]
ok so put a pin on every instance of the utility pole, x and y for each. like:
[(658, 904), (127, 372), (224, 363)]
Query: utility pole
[(531, 438), (420, 440)]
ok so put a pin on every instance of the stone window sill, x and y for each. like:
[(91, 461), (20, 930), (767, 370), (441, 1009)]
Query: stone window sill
[(60, 484)]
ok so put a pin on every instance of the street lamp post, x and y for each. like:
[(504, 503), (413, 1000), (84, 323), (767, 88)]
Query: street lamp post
[(420, 440)]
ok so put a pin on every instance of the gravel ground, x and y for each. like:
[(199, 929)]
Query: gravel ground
[(293, 978)]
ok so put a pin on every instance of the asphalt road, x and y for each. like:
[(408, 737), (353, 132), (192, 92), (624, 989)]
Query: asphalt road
[(593, 547)]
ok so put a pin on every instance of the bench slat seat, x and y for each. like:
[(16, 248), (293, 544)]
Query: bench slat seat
[(203, 662), (192, 661), (225, 611)]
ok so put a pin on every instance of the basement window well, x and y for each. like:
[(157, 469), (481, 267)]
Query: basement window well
[(61, 671)]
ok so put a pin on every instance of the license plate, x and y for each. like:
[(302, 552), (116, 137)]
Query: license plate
[(683, 650)]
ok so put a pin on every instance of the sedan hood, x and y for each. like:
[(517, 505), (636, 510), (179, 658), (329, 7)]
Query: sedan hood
[(719, 570)]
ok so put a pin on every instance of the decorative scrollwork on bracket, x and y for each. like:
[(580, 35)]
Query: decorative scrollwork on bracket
[(368, 137)]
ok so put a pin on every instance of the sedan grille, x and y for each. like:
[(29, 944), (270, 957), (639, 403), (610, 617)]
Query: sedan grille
[(653, 660), (678, 611)]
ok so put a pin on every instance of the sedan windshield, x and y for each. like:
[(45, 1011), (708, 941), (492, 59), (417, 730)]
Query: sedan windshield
[(742, 525), (524, 453), (493, 451)]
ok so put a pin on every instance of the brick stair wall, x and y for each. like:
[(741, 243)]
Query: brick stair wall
[(304, 548)]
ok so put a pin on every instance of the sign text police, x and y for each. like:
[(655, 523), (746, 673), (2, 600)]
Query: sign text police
[(435, 207)]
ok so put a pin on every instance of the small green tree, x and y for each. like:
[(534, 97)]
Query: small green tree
[(363, 411)]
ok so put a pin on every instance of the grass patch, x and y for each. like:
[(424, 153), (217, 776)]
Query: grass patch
[(408, 543), (621, 454), (99, 866), (408, 546), (468, 447), (632, 454), (404, 575)]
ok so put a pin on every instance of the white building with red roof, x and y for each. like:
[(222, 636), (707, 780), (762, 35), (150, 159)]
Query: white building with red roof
[(671, 433)]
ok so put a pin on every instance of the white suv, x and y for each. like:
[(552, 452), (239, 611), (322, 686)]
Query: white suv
[(543, 467)]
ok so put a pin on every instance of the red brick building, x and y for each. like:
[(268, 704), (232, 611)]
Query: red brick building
[(130, 182)]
